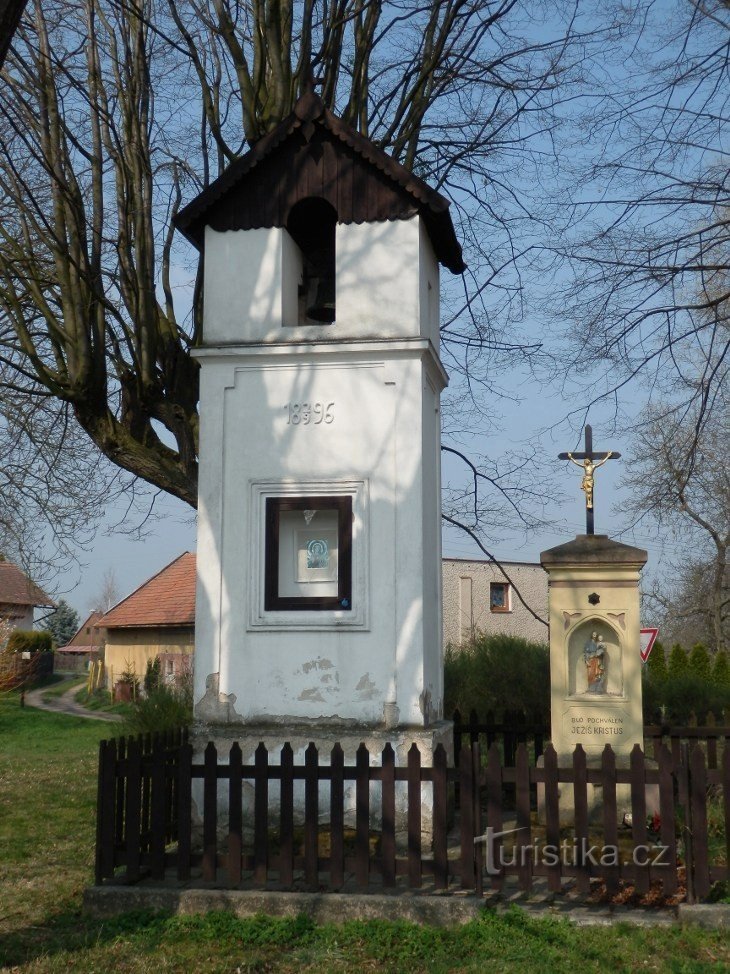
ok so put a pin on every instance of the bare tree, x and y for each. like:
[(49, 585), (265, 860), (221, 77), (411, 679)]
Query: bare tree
[(649, 249), (54, 485), (116, 111), (680, 479), (108, 593)]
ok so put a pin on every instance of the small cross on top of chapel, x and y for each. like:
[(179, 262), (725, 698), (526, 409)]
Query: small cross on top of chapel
[(590, 462)]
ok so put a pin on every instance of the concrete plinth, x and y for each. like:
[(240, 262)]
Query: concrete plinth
[(324, 737)]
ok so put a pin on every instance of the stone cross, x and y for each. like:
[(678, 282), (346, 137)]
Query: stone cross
[(589, 461)]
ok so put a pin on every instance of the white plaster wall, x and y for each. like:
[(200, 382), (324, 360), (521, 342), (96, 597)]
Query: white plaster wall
[(461, 619), (338, 671), (378, 288), (429, 288), (383, 273), (244, 286)]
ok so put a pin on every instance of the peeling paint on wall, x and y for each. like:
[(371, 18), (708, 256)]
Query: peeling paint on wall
[(216, 707), (318, 664), (424, 703), (365, 687), (311, 694)]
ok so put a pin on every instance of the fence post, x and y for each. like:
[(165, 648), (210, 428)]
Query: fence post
[(552, 816), (158, 795), (711, 742), (466, 790), (387, 842), (105, 807), (133, 809), (414, 817), (667, 816), (440, 797), (337, 817), (725, 789), (494, 809), (523, 837), (639, 832), (235, 814), (580, 803), (311, 816), (362, 817), (698, 802), (210, 813), (610, 813), (286, 854), (683, 788), (261, 814), (184, 810)]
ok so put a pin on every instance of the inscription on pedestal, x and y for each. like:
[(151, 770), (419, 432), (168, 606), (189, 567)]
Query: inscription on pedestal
[(582, 727)]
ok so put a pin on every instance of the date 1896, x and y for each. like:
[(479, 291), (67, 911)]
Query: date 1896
[(306, 413)]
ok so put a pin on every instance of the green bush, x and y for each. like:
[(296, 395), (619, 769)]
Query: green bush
[(652, 696), (153, 675), (29, 641), (699, 661), (497, 673), (678, 662), (721, 669), (163, 708), (656, 666), (690, 693)]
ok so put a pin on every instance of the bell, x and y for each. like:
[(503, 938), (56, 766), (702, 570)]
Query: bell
[(323, 307)]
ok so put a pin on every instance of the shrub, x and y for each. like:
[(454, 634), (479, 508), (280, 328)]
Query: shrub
[(163, 708), (153, 675), (678, 662), (652, 697), (721, 669), (29, 641), (690, 693), (656, 665), (699, 661), (497, 673)]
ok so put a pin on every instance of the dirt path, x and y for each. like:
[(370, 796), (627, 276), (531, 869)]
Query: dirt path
[(65, 704)]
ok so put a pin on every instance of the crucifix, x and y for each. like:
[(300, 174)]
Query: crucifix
[(589, 461)]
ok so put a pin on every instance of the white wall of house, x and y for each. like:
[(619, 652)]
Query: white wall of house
[(469, 596)]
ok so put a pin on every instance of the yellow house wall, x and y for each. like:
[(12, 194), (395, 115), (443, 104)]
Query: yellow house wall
[(132, 648)]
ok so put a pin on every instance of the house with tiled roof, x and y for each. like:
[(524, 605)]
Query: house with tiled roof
[(19, 596), (157, 619), (85, 646)]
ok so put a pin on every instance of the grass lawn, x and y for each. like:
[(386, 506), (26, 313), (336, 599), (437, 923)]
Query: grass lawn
[(47, 795), (60, 685), (100, 701)]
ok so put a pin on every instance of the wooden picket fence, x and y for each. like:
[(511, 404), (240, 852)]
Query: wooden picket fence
[(146, 827), (512, 728), (713, 736)]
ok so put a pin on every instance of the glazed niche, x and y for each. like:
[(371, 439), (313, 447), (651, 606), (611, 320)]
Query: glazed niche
[(595, 660)]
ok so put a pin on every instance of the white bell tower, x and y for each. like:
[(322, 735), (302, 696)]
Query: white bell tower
[(319, 554)]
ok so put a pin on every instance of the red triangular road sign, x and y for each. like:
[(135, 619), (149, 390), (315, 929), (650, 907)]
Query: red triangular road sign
[(648, 638)]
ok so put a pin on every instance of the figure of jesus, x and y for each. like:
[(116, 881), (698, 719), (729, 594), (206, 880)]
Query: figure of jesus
[(588, 466), (594, 657)]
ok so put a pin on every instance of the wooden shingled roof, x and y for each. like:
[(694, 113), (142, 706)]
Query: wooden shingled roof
[(17, 589), (10, 13), (166, 599), (315, 153)]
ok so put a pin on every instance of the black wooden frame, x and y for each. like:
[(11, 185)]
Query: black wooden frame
[(343, 600)]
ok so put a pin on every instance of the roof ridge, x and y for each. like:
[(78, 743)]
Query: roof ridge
[(102, 621)]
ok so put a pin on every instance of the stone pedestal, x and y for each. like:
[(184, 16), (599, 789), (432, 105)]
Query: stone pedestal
[(595, 661), (324, 736)]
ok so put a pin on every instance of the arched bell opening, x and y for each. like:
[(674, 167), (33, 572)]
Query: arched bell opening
[(311, 224)]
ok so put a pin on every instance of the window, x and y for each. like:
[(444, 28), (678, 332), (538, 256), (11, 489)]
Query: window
[(499, 597), (308, 553), (312, 224)]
